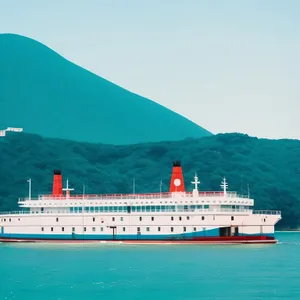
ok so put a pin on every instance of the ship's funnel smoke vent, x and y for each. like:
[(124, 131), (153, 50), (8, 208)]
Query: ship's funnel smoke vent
[(176, 163), (57, 183), (177, 180)]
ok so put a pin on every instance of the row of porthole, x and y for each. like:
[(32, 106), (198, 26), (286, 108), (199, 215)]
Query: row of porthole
[(140, 218), (152, 218), (9, 220), (123, 229)]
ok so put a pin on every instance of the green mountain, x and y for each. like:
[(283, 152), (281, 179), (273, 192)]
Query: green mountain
[(45, 94), (271, 168)]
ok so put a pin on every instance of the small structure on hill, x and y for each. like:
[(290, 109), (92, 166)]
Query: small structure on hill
[(13, 129)]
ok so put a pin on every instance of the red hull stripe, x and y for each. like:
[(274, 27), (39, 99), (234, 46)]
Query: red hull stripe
[(202, 240)]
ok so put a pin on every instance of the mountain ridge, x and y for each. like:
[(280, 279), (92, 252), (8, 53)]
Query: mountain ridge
[(70, 102)]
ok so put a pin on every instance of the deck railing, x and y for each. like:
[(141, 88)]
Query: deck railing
[(136, 196), (66, 211), (267, 212)]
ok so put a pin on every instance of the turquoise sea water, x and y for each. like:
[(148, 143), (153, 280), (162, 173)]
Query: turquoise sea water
[(43, 271)]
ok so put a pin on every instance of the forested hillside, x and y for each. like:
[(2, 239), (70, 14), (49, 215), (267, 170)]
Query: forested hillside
[(271, 168)]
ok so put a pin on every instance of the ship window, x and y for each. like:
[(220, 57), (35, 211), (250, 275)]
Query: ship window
[(264, 220), (232, 218), (148, 229), (124, 229), (94, 229), (84, 228), (121, 219), (56, 219), (101, 228), (42, 228), (140, 218), (202, 218), (172, 229), (9, 220), (139, 229), (152, 218), (73, 229), (93, 219), (63, 229), (51, 228), (184, 229), (195, 229), (158, 228), (172, 218), (113, 218), (187, 218), (179, 218), (206, 206)]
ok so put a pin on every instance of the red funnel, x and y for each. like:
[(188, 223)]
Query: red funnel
[(57, 184), (177, 181)]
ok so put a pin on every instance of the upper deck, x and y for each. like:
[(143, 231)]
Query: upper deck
[(215, 198)]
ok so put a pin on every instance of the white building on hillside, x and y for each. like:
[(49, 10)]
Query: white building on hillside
[(13, 129)]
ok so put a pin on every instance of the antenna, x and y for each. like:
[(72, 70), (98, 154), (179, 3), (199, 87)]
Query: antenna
[(67, 189), (133, 185), (160, 187), (242, 185), (83, 191), (248, 191), (29, 188), (195, 182), (224, 186)]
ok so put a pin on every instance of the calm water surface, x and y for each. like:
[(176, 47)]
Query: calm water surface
[(91, 272)]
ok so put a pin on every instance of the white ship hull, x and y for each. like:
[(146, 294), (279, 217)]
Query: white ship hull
[(174, 217)]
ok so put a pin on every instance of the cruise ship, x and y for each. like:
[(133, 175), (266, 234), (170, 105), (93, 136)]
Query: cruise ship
[(177, 216)]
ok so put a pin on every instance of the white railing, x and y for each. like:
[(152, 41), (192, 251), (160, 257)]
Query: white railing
[(136, 196), (204, 210), (267, 212), (17, 212)]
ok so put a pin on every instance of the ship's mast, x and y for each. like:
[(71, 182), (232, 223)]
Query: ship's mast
[(224, 186), (160, 187), (67, 189), (133, 185), (248, 190), (195, 182), (29, 187)]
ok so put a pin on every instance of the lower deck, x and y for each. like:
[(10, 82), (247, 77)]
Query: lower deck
[(209, 234)]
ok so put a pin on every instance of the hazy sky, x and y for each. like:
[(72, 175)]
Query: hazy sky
[(230, 66)]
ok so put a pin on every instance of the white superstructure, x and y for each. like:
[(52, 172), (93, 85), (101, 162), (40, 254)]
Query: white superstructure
[(176, 216)]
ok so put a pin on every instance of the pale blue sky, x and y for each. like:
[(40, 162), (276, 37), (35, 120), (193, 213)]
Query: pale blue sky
[(228, 65)]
